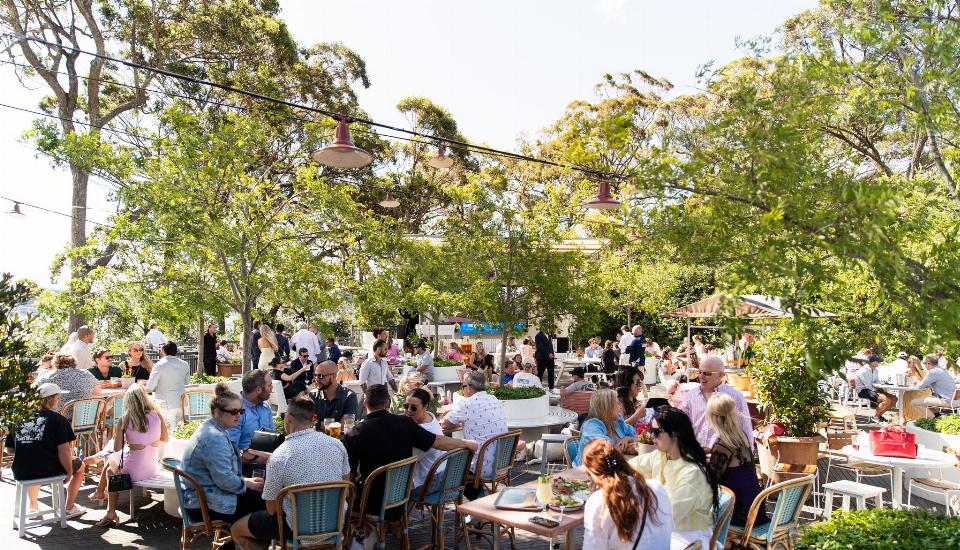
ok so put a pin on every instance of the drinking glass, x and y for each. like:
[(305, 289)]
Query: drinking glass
[(334, 430), (347, 421), (260, 472), (326, 425)]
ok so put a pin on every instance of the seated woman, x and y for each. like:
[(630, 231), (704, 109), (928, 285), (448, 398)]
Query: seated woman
[(627, 512), (137, 364), (680, 464), (454, 353), (75, 383), (627, 395), (345, 369), (213, 460), (915, 371), (526, 378), (408, 382), (731, 459), (605, 422), (416, 406), (669, 366), (137, 435), (43, 447)]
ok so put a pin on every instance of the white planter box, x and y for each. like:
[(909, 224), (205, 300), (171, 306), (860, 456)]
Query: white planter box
[(520, 409), (445, 374), (935, 441)]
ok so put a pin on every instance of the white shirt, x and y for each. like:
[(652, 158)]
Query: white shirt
[(80, 351), (482, 418), (155, 338), (303, 338), (866, 378), (224, 355), (653, 349), (625, 341), (426, 459), (375, 372), (600, 533), (167, 380), (526, 380)]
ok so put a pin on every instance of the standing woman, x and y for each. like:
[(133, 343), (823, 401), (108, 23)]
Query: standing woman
[(210, 350), (527, 351), (137, 436), (268, 346), (680, 464), (609, 358), (731, 459), (137, 364), (627, 512)]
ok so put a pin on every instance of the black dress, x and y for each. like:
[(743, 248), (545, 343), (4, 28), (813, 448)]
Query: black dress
[(210, 354)]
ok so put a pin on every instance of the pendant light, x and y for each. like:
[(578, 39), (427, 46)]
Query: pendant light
[(15, 211), (342, 153), (389, 201), (603, 200), (441, 160)]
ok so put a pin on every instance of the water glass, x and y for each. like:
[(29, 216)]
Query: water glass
[(347, 421), (260, 473)]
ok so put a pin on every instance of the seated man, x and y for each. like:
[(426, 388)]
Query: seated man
[(257, 415), (879, 398), (480, 415), (383, 438), (525, 379), (941, 384), (328, 462), (579, 383), (509, 372), (330, 399)]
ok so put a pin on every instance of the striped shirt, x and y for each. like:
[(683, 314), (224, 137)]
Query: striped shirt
[(695, 405)]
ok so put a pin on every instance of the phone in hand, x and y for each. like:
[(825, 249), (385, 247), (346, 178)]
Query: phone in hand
[(544, 522)]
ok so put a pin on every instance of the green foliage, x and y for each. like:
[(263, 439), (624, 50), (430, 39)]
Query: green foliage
[(204, 378), (785, 375), (17, 397), (881, 528), (948, 424), (279, 426), (506, 393), (186, 431), (441, 362)]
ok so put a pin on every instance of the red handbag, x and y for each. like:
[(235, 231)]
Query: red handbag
[(894, 442)]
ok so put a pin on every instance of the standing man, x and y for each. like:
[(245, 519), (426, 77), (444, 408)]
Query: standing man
[(695, 403), (334, 354), (154, 338), (375, 369), (879, 398), (321, 346), (424, 361), (626, 338), (254, 348), (330, 399), (304, 339), (637, 347), (167, 380), (544, 356), (80, 350), (283, 345)]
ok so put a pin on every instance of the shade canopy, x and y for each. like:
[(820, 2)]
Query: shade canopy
[(746, 306)]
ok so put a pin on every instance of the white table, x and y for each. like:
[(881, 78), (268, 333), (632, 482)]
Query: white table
[(532, 428), (926, 458)]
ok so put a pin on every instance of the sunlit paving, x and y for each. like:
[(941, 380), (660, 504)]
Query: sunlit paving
[(601, 274)]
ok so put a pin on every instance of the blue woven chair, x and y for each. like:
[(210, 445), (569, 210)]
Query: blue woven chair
[(397, 484), (195, 405), (504, 449), (442, 489), (217, 530), (112, 411), (785, 519), (86, 420), (318, 511), (722, 525)]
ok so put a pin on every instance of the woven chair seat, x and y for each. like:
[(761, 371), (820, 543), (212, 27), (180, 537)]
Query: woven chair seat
[(936, 483), (865, 467)]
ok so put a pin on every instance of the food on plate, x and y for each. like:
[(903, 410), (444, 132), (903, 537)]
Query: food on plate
[(564, 500), (568, 487)]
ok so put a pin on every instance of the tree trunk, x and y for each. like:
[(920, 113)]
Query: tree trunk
[(78, 238), (247, 320), (436, 335)]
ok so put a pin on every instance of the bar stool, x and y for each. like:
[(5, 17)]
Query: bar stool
[(58, 497), (847, 489)]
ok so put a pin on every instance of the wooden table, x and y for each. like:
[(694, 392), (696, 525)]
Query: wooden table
[(483, 508)]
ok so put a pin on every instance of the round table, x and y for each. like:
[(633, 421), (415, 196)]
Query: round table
[(532, 428), (926, 458)]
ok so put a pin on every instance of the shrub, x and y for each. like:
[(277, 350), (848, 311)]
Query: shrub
[(505, 393), (204, 378), (949, 424), (882, 528), (185, 431), (441, 362)]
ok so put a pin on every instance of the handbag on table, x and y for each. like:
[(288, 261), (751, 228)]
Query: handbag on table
[(893, 442)]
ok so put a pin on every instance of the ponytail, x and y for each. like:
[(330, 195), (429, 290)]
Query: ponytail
[(625, 491)]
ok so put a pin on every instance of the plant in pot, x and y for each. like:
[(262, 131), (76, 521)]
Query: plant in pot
[(785, 374)]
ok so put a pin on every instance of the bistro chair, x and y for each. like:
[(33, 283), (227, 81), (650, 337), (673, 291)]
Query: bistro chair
[(318, 512), (859, 468), (570, 449), (112, 411), (195, 405), (504, 449), (217, 530), (86, 420), (442, 489), (397, 485), (724, 515), (789, 497)]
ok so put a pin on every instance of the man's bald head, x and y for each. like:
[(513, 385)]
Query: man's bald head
[(712, 363), (711, 372)]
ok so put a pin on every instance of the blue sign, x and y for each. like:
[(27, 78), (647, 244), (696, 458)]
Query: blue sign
[(471, 327)]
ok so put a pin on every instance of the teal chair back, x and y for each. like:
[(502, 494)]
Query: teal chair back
[(173, 465), (397, 484), (722, 525), (504, 449), (114, 410), (195, 405), (86, 413), (448, 485), (317, 513), (789, 496)]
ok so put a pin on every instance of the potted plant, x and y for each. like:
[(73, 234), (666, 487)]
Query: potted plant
[(644, 439), (785, 379)]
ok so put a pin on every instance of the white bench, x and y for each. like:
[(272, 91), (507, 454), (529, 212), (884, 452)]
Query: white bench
[(58, 501), (163, 481), (846, 489)]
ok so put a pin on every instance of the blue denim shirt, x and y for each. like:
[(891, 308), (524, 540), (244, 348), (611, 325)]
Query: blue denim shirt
[(593, 428), (254, 417), (212, 459)]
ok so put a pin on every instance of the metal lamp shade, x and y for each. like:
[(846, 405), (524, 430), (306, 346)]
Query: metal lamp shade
[(342, 153), (441, 160), (604, 200), (389, 201), (15, 211)]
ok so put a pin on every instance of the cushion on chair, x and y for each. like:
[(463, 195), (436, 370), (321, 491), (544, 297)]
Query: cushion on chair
[(578, 401), (936, 483)]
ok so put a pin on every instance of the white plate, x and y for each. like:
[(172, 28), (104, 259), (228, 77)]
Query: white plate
[(571, 508)]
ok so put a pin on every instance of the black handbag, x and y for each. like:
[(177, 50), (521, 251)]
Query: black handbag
[(121, 481), (265, 441)]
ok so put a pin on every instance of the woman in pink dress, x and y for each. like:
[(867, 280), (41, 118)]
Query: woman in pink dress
[(139, 434)]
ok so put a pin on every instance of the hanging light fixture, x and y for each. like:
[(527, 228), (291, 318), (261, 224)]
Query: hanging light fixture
[(389, 201), (441, 160), (15, 211), (342, 153), (603, 200)]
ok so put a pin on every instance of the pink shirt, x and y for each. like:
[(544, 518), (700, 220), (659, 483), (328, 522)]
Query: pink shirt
[(695, 405)]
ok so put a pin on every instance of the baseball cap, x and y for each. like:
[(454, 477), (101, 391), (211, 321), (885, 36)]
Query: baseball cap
[(902, 355), (48, 389), (578, 371), (873, 359)]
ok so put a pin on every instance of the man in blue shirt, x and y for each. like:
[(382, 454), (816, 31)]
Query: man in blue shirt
[(256, 415), (638, 347), (283, 344), (942, 386), (333, 350)]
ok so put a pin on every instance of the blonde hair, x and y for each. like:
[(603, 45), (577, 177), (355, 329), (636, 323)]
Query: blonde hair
[(914, 362), (145, 361), (411, 378), (267, 334), (136, 406), (603, 403), (722, 414)]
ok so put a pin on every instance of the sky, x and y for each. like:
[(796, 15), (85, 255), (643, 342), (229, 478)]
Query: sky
[(504, 68)]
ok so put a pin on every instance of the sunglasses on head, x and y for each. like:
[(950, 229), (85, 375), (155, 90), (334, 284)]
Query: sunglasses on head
[(234, 412), (655, 432), (412, 407)]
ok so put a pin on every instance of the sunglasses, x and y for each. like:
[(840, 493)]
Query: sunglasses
[(304, 354), (106, 357), (234, 412), (411, 407), (655, 432), (708, 373)]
